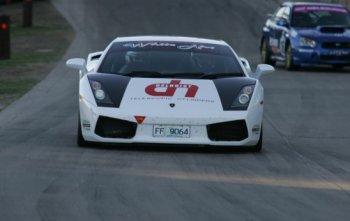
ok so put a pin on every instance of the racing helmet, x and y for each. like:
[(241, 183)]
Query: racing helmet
[(134, 57)]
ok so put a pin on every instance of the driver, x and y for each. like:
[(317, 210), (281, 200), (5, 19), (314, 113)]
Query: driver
[(134, 61)]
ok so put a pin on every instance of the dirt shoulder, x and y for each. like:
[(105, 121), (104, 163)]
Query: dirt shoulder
[(34, 51)]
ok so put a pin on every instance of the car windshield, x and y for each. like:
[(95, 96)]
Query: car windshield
[(312, 16), (164, 59)]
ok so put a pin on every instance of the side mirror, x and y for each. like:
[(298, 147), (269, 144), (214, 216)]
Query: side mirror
[(246, 64), (77, 63), (263, 69)]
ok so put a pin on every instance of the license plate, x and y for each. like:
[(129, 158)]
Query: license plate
[(171, 131)]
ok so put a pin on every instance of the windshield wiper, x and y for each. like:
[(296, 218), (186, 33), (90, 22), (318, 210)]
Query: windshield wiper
[(144, 74), (201, 75), (184, 74), (163, 75), (220, 75)]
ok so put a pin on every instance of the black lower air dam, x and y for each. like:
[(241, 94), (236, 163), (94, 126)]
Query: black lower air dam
[(115, 128)]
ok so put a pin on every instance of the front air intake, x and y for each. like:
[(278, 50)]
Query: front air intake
[(336, 45), (115, 128), (332, 30), (228, 131), (344, 58)]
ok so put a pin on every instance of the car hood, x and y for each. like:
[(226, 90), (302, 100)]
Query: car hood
[(173, 95), (164, 94)]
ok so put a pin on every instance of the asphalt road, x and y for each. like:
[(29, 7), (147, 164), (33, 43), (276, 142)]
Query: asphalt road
[(303, 172)]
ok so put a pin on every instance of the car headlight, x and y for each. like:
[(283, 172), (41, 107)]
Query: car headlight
[(101, 97), (100, 94), (243, 99), (307, 42)]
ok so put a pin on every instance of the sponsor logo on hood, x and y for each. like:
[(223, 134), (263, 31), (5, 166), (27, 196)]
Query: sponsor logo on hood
[(149, 95), (169, 89)]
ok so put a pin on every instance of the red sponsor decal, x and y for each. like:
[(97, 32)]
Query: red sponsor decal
[(169, 89), (140, 119)]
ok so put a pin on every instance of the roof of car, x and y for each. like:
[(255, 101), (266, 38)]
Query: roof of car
[(170, 38), (311, 3)]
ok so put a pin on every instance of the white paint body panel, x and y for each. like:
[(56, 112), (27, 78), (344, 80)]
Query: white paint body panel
[(196, 114)]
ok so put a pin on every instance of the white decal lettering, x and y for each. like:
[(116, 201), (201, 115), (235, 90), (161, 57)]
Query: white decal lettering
[(196, 46)]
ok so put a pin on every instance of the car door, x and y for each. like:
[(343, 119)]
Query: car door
[(282, 31)]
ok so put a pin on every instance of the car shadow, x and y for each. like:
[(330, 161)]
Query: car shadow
[(319, 69), (173, 148)]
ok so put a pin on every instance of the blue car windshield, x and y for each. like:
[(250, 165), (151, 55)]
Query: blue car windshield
[(169, 57), (313, 16)]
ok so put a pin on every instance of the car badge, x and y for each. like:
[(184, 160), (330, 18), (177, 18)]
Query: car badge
[(172, 105)]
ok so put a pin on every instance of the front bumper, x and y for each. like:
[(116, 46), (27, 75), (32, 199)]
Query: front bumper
[(302, 56), (201, 126)]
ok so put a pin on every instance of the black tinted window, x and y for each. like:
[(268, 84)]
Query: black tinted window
[(169, 57)]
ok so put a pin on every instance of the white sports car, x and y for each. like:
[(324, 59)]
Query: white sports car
[(169, 90)]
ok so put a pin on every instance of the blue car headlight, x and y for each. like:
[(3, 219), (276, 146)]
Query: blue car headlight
[(307, 42), (101, 97), (243, 99)]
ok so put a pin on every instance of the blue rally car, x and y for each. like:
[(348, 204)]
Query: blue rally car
[(307, 34)]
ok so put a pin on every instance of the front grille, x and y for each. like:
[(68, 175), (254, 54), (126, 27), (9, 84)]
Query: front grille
[(228, 131), (336, 45), (332, 30), (115, 128), (335, 57)]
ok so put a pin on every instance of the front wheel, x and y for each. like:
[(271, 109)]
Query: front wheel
[(289, 64), (80, 139), (258, 147), (266, 54)]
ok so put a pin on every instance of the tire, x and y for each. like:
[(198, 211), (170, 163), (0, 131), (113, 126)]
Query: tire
[(289, 64), (266, 54), (80, 139), (258, 147)]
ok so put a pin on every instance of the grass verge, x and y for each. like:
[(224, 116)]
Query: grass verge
[(34, 50)]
